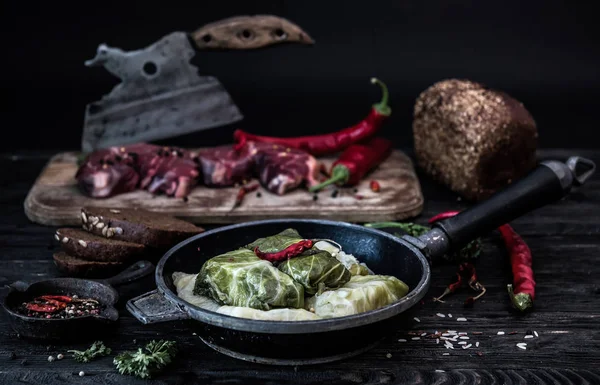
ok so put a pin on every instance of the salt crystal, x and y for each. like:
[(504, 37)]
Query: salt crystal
[(461, 319), (477, 344), (389, 355), (416, 319), (449, 315)]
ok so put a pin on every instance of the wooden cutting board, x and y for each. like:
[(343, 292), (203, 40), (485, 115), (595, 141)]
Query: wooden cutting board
[(56, 200)]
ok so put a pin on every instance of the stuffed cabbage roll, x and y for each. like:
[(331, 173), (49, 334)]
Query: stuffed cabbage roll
[(277, 242), (184, 283), (362, 293), (348, 260), (315, 269), (240, 278)]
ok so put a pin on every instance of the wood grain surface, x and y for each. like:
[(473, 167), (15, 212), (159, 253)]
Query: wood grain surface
[(55, 199), (564, 239)]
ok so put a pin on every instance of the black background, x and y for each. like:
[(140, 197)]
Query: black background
[(541, 52)]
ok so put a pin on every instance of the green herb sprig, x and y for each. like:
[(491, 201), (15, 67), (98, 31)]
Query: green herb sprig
[(98, 349), (144, 363)]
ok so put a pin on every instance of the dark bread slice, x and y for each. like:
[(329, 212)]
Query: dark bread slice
[(82, 244), (77, 267), (156, 230)]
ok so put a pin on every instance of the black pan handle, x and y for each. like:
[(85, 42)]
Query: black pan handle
[(134, 272), (547, 183)]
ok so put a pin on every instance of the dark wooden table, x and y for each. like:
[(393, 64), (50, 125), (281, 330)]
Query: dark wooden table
[(565, 241)]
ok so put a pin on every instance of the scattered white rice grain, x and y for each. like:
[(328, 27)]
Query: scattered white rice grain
[(440, 371), (536, 334), (462, 343), (445, 354), (446, 334), (437, 340), (461, 319), (500, 333), (194, 334), (464, 338), (449, 315), (415, 338), (462, 334), (445, 338), (522, 345), (441, 315), (477, 344), (423, 334), (401, 340), (416, 319), (527, 337), (467, 346), (452, 331)]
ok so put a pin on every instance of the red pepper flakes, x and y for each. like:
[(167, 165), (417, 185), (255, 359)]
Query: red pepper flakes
[(375, 186), (242, 193)]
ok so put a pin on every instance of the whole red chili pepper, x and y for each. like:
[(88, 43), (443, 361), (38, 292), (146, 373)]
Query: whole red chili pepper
[(42, 308), (333, 142), (289, 252), (443, 215), (356, 161), (60, 298), (523, 294)]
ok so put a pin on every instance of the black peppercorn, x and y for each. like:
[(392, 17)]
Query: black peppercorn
[(335, 193), (315, 197), (258, 194)]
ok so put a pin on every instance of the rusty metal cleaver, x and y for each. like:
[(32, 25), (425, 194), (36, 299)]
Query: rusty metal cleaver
[(161, 94)]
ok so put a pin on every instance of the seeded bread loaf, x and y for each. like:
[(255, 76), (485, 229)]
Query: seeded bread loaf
[(154, 230), (473, 139), (77, 267), (82, 244)]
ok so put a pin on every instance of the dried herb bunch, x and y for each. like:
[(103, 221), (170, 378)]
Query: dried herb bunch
[(145, 362), (98, 349)]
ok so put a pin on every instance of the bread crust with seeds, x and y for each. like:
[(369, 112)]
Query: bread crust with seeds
[(154, 230), (471, 138), (82, 244)]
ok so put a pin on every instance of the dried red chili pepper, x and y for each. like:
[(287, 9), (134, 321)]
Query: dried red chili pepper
[(242, 193), (443, 215), (523, 294), (473, 284), (42, 308), (452, 287), (375, 186), (287, 253), (356, 161), (333, 142)]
